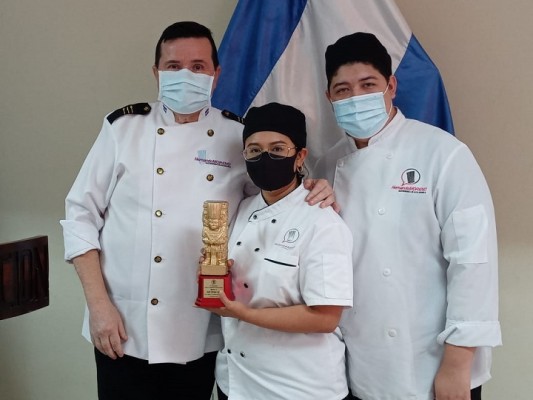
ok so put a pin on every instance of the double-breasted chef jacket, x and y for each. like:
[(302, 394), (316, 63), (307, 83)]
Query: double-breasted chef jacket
[(424, 258), (138, 199), (286, 254)]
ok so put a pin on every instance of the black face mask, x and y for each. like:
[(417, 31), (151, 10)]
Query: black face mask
[(269, 174)]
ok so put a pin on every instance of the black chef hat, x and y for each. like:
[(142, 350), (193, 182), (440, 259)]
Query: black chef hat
[(358, 47), (276, 117)]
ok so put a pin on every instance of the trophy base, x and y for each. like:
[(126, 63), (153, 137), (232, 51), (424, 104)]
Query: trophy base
[(209, 287)]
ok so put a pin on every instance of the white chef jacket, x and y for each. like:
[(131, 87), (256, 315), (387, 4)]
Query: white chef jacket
[(138, 198), (286, 254), (425, 258)]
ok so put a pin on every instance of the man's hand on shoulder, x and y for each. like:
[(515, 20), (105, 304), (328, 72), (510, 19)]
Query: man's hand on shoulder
[(320, 192)]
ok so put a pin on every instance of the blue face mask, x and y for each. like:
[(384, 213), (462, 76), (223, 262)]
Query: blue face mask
[(362, 116), (185, 92)]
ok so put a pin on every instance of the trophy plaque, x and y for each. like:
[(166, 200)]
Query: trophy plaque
[(214, 275)]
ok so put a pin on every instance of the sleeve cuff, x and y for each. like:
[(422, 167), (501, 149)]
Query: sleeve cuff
[(329, 302), (471, 333), (79, 238)]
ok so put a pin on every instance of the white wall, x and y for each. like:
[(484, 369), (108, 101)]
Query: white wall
[(65, 64)]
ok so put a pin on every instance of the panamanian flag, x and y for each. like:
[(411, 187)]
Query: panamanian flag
[(273, 50)]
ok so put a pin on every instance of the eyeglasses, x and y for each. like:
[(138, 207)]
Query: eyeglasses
[(275, 151)]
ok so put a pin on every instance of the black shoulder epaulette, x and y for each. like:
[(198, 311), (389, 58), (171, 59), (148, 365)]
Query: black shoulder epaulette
[(230, 115), (132, 109)]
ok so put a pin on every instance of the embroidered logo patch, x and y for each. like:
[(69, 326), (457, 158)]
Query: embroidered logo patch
[(201, 157), (410, 177), (291, 236)]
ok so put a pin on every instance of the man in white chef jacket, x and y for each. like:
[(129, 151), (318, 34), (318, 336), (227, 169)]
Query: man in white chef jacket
[(133, 226), (425, 314)]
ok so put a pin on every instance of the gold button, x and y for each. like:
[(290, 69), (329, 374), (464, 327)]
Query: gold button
[(160, 131), (160, 171), (210, 132), (154, 302), (157, 259), (210, 177), (158, 213)]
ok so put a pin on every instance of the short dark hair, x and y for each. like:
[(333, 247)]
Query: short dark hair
[(358, 47), (186, 29)]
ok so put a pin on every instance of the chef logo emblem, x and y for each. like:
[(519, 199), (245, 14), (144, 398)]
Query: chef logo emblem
[(410, 178), (201, 157), (291, 236)]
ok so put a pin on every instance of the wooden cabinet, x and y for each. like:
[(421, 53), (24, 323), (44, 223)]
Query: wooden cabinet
[(23, 276)]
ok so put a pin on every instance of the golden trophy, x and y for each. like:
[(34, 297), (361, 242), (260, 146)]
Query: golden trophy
[(214, 275)]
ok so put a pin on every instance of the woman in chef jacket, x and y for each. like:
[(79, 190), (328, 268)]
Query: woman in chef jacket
[(292, 275)]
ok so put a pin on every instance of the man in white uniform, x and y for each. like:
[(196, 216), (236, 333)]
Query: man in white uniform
[(133, 226), (425, 313)]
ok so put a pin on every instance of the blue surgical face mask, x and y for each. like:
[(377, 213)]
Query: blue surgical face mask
[(362, 116), (185, 92)]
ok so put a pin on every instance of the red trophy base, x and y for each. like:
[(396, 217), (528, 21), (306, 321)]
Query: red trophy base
[(209, 287)]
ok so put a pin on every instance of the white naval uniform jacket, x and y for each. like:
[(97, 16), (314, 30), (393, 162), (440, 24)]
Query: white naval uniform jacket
[(286, 254), (138, 198), (425, 258)]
